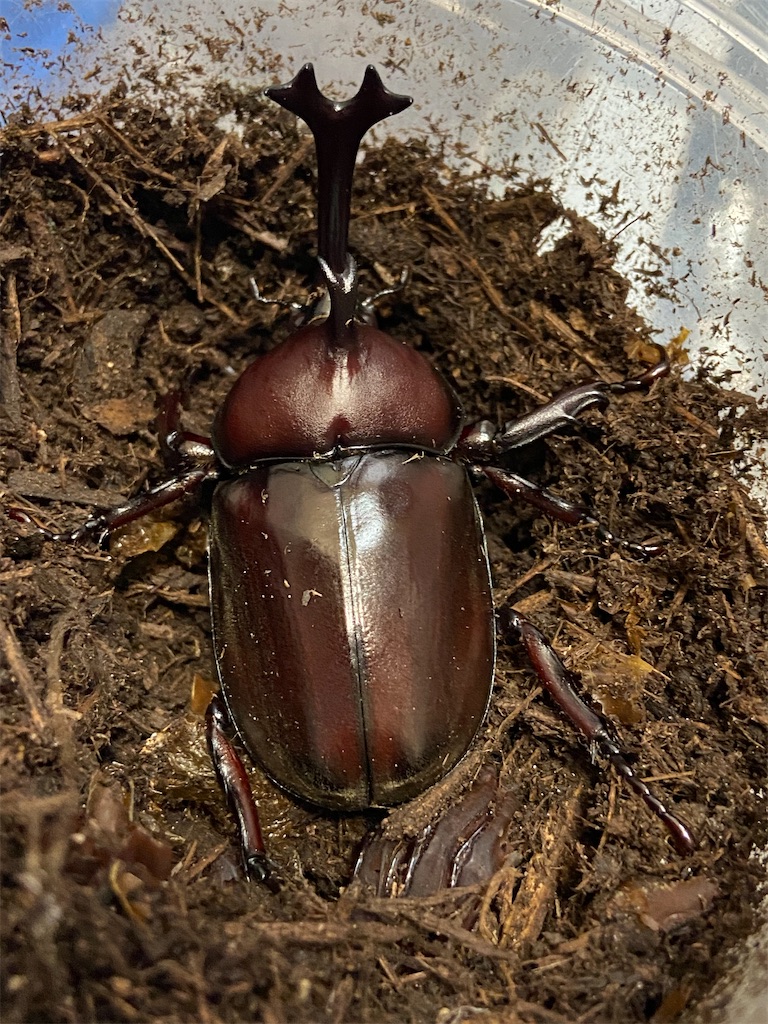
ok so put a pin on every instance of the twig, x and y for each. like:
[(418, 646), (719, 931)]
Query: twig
[(470, 262), (546, 137), (22, 675), (517, 710), (9, 375), (69, 124), (148, 231), (436, 925), (515, 383), (535, 570), (139, 158), (63, 717), (322, 933), (40, 232), (755, 541), (141, 225), (567, 334), (197, 257), (525, 331), (696, 421), (266, 238), (199, 866), (534, 900), (288, 168), (383, 211)]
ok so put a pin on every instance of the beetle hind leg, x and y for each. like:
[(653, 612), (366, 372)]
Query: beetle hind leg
[(595, 729)]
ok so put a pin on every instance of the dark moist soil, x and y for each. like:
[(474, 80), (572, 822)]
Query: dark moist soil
[(127, 247)]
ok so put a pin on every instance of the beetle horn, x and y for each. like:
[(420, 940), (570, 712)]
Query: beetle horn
[(338, 129)]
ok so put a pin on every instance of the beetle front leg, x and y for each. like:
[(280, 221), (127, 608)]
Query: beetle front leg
[(482, 441), (189, 456), (102, 525), (233, 779), (596, 729)]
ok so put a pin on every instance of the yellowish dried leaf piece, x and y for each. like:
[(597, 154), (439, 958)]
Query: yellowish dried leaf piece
[(617, 682), (138, 538), (202, 691)]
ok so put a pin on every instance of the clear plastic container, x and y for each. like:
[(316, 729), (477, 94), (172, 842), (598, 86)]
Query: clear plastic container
[(663, 103)]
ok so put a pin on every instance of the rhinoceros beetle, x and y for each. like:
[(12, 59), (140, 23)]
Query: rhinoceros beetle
[(353, 623)]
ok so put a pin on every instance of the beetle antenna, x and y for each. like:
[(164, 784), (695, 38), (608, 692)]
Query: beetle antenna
[(338, 129)]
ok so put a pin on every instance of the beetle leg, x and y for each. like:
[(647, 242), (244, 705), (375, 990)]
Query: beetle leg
[(481, 442), (595, 728), (177, 446), (101, 525), (515, 486), (477, 442), (189, 455), (233, 779), (367, 308), (297, 308)]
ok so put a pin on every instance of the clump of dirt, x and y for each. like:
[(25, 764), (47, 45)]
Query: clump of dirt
[(127, 246)]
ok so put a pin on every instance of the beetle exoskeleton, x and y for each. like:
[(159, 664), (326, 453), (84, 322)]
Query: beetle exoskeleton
[(350, 586), (369, 625)]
